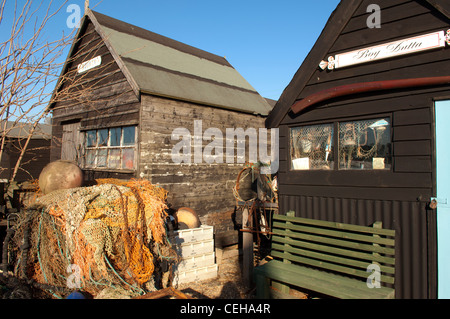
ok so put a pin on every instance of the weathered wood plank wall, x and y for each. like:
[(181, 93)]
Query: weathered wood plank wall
[(206, 188), (111, 101), (108, 99), (362, 196)]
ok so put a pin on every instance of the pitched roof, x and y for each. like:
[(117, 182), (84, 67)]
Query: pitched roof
[(22, 129), (333, 28), (157, 65)]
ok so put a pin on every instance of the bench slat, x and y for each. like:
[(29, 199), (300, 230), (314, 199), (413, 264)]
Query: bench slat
[(319, 281), (335, 233), (336, 242), (330, 258), (342, 226), (330, 266), (352, 253), (329, 254)]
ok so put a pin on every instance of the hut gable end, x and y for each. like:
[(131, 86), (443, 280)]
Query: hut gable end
[(358, 141), (93, 92), (92, 83), (347, 30)]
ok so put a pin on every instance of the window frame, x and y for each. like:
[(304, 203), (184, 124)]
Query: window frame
[(335, 143), (96, 149), (333, 146), (374, 119)]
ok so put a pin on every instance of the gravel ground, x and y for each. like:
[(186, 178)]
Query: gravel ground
[(228, 283)]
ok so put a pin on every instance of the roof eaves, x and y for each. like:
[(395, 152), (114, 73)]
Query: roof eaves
[(334, 26), (331, 31), (116, 57), (20, 130), (442, 6), (214, 105), (81, 29)]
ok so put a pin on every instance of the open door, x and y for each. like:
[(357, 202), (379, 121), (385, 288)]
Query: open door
[(442, 124)]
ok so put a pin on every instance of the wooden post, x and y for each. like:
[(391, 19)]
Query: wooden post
[(278, 285), (247, 248), (285, 288), (377, 225)]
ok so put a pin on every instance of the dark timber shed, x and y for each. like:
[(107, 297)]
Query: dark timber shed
[(364, 128), (36, 156), (122, 93)]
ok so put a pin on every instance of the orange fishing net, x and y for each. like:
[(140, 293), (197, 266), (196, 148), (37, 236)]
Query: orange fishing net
[(113, 233)]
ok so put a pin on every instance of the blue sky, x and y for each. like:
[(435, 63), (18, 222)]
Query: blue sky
[(266, 41)]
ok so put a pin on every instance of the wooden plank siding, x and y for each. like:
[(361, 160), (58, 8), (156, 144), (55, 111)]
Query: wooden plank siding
[(398, 196), (410, 111), (33, 161), (115, 99), (202, 186), (206, 188), (108, 101)]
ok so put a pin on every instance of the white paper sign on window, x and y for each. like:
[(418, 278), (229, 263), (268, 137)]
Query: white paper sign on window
[(301, 163)]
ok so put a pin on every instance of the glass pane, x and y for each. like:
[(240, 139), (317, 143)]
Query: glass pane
[(312, 147), (114, 158), (365, 144), (90, 158), (91, 138), (103, 137), (101, 158), (129, 135), (128, 158), (115, 136)]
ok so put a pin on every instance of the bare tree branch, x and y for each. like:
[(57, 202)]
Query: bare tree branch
[(30, 74), (28, 68)]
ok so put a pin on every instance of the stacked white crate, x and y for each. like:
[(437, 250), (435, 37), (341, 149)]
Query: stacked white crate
[(195, 247)]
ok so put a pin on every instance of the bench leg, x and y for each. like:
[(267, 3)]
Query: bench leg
[(262, 287), (281, 287)]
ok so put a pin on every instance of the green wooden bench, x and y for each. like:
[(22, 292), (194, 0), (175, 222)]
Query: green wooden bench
[(328, 258)]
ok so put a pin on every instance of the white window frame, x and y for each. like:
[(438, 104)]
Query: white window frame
[(96, 148)]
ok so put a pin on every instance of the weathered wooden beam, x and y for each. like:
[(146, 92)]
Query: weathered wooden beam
[(259, 204), (247, 248)]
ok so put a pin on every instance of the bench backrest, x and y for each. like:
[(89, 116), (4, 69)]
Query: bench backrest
[(336, 247)]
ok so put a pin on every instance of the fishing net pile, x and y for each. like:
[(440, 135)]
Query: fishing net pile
[(108, 237)]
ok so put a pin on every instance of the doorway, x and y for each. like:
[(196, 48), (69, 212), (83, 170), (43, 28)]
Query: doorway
[(442, 117), (71, 142)]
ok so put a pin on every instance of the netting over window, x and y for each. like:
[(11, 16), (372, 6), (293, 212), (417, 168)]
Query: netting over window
[(365, 144), (312, 147)]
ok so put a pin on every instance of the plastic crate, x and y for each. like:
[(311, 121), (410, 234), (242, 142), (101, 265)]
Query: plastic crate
[(196, 274), (195, 248), (194, 262), (192, 235)]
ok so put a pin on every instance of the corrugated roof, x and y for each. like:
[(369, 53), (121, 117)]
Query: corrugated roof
[(165, 67)]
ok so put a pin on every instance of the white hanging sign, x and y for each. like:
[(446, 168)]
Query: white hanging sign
[(407, 46), (90, 64)]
